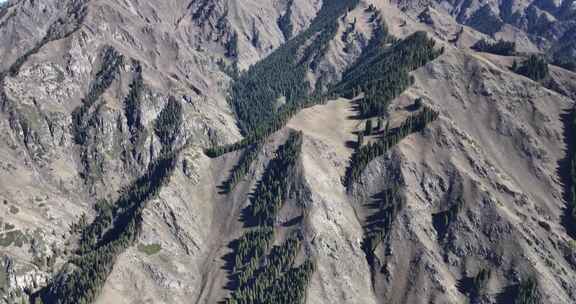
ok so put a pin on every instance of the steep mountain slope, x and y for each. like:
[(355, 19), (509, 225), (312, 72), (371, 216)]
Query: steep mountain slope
[(535, 25), (110, 195), (80, 116), (479, 188)]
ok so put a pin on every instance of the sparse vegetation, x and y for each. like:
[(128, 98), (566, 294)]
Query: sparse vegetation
[(85, 118), (13, 237), (104, 239), (381, 74), (480, 283), (362, 156), (232, 46), (14, 210), (572, 245), (78, 226), (269, 260), (281, 119), (360, 140), (59, 29), (388, 204), (528, 292), (562, 54), (150, 249), (3, 280), (239, 171), (110, 64), (117, 225), (442, 220)]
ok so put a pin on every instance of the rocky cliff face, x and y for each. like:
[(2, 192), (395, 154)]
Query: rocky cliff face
[(90, 93), (538, 25), (470, 203)]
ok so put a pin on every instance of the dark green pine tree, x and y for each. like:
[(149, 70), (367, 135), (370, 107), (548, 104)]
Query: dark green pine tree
[(369, 127), (360, 140)]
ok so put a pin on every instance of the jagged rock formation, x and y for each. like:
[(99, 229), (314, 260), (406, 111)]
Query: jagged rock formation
[(537, 25), (459, 166), (93, 94)]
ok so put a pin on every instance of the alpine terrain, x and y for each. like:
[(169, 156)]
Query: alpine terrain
[(288, 151)]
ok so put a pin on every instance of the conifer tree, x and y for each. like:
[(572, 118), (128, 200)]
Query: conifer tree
[(368, 130)]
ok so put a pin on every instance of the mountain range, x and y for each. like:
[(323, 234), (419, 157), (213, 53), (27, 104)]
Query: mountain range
[(288, 151)]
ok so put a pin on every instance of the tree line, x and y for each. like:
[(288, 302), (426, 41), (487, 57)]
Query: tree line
[(111, 61), (85, 117), (116, 226), (500, 47), (260, 272), (570, 175), (565, 62), (249, 155), (390, 202), (113, 231), (276, 184), (256, 93), (285, 21), (167, 124), (274, 277), (365, 154), (258, 135), (250, 247), (383, 73), (534, 67), (133, 108)]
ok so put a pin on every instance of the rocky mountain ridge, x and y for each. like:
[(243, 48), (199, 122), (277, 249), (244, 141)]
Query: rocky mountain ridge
[(97, 94)]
